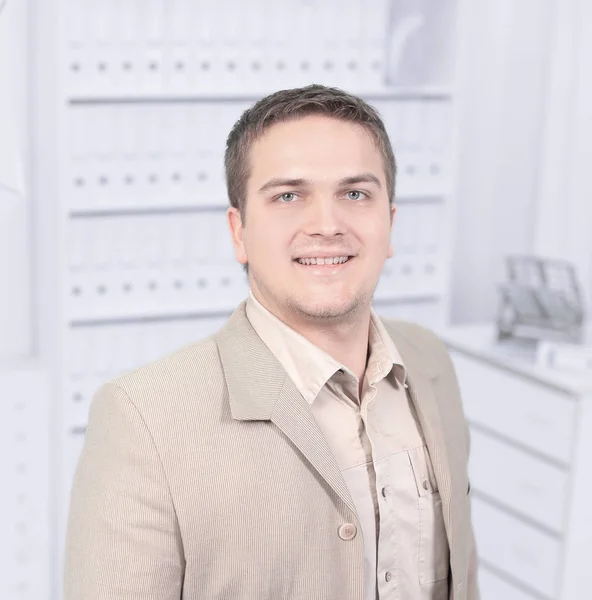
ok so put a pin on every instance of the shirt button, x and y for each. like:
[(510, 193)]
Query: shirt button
[(348, 531), (383, 492), (388, 576)]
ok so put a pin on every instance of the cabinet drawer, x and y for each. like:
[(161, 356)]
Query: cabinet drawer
[(525, 411), (521, 481), (511, 546)]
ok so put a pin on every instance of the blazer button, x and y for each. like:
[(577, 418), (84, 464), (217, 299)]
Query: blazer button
[(348, 531)]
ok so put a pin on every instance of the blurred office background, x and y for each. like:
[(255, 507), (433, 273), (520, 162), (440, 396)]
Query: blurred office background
[(114, 249)]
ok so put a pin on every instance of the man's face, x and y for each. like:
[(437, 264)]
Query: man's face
[(317, 190)]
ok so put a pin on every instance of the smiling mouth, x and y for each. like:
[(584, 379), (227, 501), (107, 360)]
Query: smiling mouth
[(333, 261)]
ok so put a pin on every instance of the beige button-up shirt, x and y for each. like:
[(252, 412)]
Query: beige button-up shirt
[(380, 450)]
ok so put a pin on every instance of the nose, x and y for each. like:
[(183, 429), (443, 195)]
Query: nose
[(323, 217)]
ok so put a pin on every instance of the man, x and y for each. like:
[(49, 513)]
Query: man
[(309, 449)]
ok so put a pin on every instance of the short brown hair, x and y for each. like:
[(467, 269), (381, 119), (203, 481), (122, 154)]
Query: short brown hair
[(296, 103)]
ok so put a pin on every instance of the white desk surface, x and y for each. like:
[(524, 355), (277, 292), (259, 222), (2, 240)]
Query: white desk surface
[(480, 342)]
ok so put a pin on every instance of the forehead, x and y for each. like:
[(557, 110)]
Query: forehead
[(314, 144)]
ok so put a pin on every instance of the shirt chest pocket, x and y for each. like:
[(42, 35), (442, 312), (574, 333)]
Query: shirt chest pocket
[(434, 554)]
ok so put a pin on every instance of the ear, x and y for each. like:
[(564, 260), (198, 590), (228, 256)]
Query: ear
[(392, 211), (235, 224)]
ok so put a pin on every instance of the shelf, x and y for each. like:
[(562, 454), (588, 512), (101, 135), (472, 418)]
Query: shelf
[(77, 430), (112, 211), (479, 341), (435, 93), (151, 317), (207, 313), (145, 210)]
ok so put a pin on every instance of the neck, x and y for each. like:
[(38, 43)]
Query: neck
[(346, 342), (345, 339)]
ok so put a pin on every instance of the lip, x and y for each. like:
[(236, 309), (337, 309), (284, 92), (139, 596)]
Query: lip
[(325, 255)]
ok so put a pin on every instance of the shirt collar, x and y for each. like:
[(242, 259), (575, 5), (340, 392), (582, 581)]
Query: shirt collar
[(309, 366), (384, 356)]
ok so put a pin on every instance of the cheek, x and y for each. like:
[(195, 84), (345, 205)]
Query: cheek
[(266, 241), (378, 237)]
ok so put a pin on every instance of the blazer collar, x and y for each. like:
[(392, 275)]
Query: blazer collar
[(255, 377), (415, 358)]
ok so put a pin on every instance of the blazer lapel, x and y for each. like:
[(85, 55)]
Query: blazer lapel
[(424, 400), (293, 416), (259, 389), (422, 375)]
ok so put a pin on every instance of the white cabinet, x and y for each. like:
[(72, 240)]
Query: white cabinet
[(530, 469)]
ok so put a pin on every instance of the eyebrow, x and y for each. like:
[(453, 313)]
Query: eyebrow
[(362, 178), (280, 182)]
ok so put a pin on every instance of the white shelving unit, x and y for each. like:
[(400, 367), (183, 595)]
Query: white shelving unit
[(136, 100)]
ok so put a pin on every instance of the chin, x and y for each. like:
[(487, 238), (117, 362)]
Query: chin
[(324, 309)]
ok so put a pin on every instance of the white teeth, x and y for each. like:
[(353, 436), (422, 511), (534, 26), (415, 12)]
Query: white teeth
[(337, 260)]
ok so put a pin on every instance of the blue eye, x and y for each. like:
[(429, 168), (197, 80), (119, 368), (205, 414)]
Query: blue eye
[(356, 195), (287, 197)]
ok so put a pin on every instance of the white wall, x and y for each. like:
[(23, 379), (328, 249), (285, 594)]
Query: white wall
[(505, 70), (564, 201)]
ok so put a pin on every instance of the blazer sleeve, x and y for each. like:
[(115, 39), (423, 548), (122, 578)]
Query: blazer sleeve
[(122, 540)]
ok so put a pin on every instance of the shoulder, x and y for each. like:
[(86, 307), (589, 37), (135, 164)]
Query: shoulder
[(192, 372), (425, 340), (187, 362)]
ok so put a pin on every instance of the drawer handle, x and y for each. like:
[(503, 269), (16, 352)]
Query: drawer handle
[(538, 420), (531, 488), (525, 556)]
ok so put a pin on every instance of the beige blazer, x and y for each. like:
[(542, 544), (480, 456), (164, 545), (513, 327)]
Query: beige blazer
[(204, 475)]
